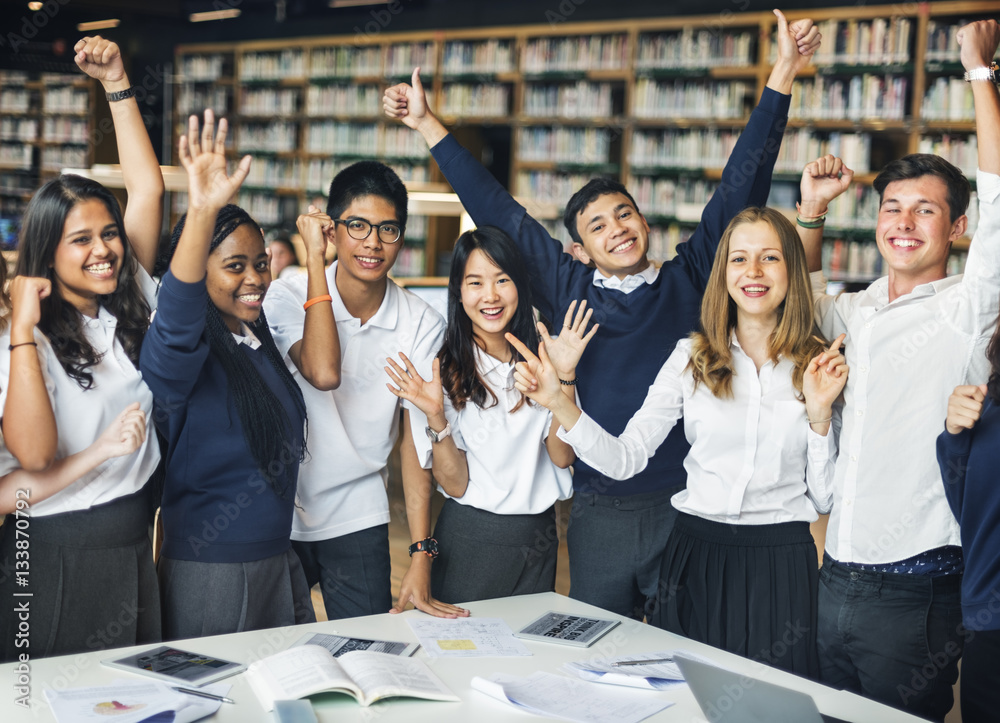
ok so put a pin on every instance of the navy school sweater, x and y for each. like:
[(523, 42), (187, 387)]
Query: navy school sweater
[(216, 506), (638, 330), (969, 462)]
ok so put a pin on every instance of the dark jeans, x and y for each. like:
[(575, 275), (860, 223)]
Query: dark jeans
[(615, 547), (354, 572), (894, 638), (981, 677)]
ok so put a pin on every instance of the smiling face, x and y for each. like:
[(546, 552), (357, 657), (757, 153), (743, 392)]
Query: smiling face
[(756, 274), (370, 259), (915, 231), (89, 256), (489, 299), (615, 236), (238, 276)]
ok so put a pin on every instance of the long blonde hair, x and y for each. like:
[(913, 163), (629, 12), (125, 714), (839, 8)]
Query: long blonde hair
[(795, 337)]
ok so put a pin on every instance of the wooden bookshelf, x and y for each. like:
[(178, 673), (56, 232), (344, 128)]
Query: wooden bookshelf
[(655, 102)]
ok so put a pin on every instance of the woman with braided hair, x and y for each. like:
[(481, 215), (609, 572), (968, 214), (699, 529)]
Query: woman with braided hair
[(233, 417)]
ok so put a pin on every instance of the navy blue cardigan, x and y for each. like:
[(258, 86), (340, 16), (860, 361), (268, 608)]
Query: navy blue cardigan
[(638, 330), (216, 506)]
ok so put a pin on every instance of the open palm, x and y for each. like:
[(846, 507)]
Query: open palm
[(204, 158)]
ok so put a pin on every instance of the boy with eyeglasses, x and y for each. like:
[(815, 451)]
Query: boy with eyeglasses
[(340, 530)]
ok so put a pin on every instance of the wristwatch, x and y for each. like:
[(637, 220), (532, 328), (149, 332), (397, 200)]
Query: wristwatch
[(120, 94), (428, 546), (436, 437), (989, 72)]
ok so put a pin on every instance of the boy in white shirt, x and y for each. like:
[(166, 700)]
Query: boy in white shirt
[(340, 530)]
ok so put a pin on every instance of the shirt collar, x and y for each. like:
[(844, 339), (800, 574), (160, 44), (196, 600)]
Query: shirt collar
[(879, 289), (630, 283), (248, 338), (487, 364), (387, 315)]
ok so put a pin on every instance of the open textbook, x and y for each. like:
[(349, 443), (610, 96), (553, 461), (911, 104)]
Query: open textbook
[(309, 669)]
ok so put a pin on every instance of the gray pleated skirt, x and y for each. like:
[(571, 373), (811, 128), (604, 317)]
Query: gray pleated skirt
[(216, 598), (92, 581), (485, 555), (750, 589)]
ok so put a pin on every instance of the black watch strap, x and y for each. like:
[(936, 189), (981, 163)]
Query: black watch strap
[(428, 546), (120, 94)]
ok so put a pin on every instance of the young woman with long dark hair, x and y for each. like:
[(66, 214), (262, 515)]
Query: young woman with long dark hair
[(756, 389), (495, 454), (233, 416), (92, 579)]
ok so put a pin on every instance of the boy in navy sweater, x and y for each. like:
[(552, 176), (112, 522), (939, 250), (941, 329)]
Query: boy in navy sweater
[(618, 529)]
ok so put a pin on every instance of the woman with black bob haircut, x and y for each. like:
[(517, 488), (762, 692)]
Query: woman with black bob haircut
[(495, 454), (93, 584), (233, 417)]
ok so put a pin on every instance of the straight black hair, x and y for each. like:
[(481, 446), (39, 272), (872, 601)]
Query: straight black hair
[(459, 373), (367, 178), (41, 231), (267, 429), (594, 189), (916, 165)]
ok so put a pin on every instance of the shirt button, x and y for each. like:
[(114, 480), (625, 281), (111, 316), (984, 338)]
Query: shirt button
[(854, 576), (868, 326), (848, 502), (863, 369), (618, 502), (854, 458), (861, 412)]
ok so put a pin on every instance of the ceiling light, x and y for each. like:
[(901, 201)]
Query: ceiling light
[(356, 3), (98, 25), (214, 15), (36, 6)]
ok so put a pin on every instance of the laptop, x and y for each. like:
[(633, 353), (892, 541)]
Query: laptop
[(728, 697)]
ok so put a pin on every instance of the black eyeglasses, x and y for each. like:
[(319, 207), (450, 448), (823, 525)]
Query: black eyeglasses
[(359, 229)]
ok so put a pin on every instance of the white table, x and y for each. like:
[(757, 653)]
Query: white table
[(629, 637)]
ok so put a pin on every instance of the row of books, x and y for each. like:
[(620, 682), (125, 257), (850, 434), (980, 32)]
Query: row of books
[(63, 129), (201, 67), (696, 48), (582, 99), (664, 239), (475, 99), (942, 41), (801, 146), (269, 101), (364, 139), (549, 186), (18, 129), (265, 208), (13, 77), (269, 172), (193, 98), (320, 171), (862, 97), (494, 55), (691, 98), (15, 155), (15, 100), (855, 209), (683, 198), (402, 58), (345, 61), (55, 158), (948, 99), (273, 137), (411, 260), (695, 148), (277, 65), (343, 100), (845, 260), (576, 53), (65, 100), (564, 145), (881, 41), (962, 150)]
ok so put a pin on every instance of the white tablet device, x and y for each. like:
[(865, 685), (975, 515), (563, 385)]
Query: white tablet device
[(176, 665)]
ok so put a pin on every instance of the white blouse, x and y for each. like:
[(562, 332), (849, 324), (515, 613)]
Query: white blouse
[(754, 458), (82, 415), (510, 471)]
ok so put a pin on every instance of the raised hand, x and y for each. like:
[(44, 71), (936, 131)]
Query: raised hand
[(204, 158), (406, 101), (566, 349), (316, 228), (427, 396), (124, 435), (797, 42), (824, 379), (964, 407), (822, 181), (978, 43), (536, 377), (26, 294), (100, 59)]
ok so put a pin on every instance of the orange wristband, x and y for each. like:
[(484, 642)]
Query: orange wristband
[(316, 300)]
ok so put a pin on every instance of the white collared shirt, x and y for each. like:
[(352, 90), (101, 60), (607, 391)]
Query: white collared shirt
[(510, 471), (630, 283), (906, 358), (82, 415), (246, 336), (352, 429), (754, 459)]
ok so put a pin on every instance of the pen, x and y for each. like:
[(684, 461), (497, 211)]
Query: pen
[(203, 694), (621, 663)]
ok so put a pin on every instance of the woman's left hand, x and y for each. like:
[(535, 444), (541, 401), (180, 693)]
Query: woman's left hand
[(427, 396), (824, 378), (566, 349), (100, 59)]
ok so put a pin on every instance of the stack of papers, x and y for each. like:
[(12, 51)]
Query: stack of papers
[(574, 700), (131, 701), (653, 676), (467, 638)]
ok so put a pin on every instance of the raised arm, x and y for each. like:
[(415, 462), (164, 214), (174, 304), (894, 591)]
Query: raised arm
[(122, 437), (29, 425), (978, 42), (317, 354), (101, 59), (965, 406), (822, 181)]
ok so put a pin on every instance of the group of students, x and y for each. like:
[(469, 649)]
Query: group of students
[(699, 411)]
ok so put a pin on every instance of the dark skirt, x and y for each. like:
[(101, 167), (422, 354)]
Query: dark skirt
[(92, 581), (216, 598), (748, 589), (485, 555)]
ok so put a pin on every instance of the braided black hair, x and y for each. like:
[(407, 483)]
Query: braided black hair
[(266, 427)]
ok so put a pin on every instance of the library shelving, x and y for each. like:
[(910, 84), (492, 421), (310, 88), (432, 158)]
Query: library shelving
[(655, 102)]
